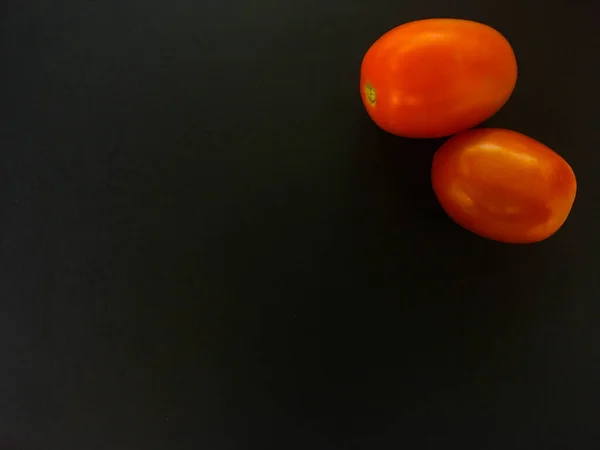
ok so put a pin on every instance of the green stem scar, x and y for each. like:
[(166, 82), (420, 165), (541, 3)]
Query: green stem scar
[(370, 94)]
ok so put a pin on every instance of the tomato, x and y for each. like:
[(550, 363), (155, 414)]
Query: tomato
[(503, 185), (436, 77)]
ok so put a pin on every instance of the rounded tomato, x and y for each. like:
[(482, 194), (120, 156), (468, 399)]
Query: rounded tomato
[(503, 185), (436, 77)]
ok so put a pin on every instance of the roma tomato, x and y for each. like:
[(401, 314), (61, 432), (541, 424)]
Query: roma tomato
[(436, 77), (503, 185)]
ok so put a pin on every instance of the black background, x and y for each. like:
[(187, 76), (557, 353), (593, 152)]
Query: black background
[(205, 243)]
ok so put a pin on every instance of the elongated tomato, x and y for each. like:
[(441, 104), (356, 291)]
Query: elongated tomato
[(503, 185), (436, 77)]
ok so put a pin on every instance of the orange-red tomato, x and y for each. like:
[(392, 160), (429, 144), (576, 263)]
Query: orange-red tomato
[(436, 77), (503, 185)]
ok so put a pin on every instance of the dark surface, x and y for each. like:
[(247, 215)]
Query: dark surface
[(206, 244)]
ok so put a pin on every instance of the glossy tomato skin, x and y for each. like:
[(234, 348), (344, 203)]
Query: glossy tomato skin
[(436, 77), (503, 185)]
